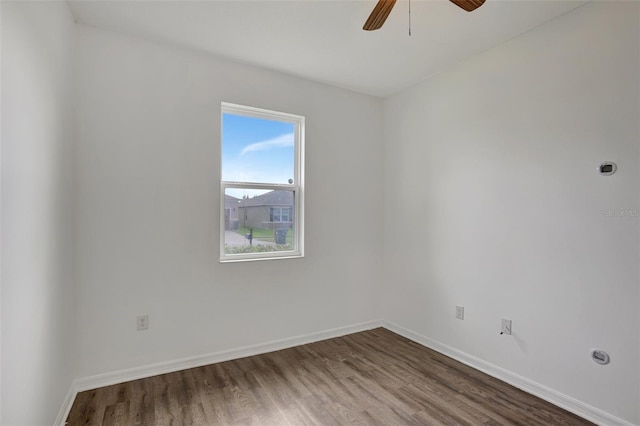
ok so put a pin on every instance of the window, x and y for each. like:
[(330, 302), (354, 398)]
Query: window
[(280, 214), (261, 184)]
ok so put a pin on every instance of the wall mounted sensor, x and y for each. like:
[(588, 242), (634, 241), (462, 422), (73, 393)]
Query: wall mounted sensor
[(607, 168), (600, 357)]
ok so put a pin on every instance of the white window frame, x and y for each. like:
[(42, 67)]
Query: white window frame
[(289, 210), (297, 186)]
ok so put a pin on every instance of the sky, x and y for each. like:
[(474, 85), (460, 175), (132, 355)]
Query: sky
[(256, 150)]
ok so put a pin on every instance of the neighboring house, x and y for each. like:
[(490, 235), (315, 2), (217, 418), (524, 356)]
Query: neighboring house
[(231, 212), (273, 210)]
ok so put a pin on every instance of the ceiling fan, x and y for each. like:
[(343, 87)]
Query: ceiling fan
[(383, 8)]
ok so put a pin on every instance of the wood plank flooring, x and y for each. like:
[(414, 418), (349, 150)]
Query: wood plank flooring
[(370, 378)]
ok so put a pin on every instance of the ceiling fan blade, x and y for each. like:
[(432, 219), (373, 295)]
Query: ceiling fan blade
[(379, 15), (468, 5)]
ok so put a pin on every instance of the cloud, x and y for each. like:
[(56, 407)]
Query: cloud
[(282, 141)]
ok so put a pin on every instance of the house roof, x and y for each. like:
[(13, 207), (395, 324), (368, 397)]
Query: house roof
[(273, 198), (230, 201)]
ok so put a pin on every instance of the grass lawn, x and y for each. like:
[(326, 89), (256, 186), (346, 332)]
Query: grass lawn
[(264, 234)]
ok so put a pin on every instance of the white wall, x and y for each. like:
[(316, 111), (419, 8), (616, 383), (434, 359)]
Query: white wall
[(485, 183), (493, 165), (37, 206), (148, 218)]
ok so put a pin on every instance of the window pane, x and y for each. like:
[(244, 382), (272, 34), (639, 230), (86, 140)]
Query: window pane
[(257, 150), (262, 170), (260, 222)]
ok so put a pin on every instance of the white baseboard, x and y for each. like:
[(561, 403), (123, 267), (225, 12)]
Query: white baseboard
[(107, 379), (66, 405), (135, 373), (556, 398), (568, 403)]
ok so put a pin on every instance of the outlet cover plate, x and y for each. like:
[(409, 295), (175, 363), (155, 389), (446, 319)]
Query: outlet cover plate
[(143, 322), (506, 326), (460, 312)]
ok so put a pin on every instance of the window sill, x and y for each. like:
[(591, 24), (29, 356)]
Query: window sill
[(242, 258)]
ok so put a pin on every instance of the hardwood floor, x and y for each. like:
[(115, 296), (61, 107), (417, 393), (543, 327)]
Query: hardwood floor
[(372, 377)]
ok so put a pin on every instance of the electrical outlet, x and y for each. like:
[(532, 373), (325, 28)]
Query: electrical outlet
[(143, 322), (506, 326), (460, 312)]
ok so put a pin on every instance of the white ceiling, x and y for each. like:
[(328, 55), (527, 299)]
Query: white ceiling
[(323, 40)]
